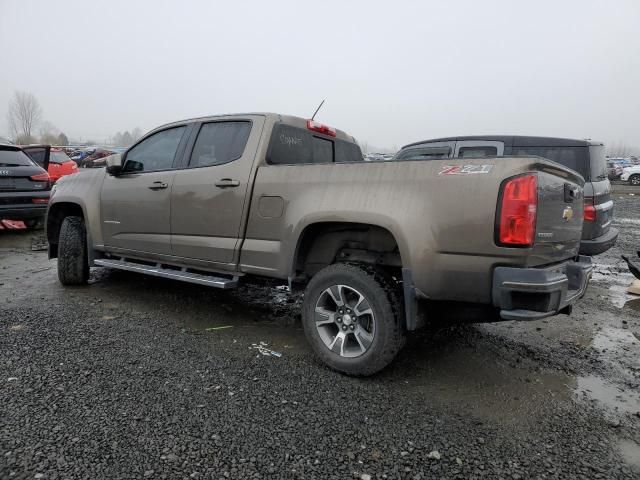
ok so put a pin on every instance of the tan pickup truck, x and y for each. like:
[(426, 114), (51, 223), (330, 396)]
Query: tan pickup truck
[(221, 200)]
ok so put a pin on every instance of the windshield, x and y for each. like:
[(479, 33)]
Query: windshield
[(14, 158), (58, 156)]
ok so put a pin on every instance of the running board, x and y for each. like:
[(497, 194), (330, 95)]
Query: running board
[(159, 271)]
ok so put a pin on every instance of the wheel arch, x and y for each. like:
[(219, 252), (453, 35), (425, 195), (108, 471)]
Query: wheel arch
[(322, 243), (55, 216)]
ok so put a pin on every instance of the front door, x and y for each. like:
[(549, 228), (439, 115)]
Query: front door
[(208, 197), (136, 204)]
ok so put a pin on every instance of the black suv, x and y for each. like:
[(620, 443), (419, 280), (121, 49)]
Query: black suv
[(584, 156), (24, 185)]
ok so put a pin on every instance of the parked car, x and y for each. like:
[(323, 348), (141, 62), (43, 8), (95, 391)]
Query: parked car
[(585, 157), (222, 200), (614, 170), (24, 185), (97, 158), (631, 175), (60, 165)]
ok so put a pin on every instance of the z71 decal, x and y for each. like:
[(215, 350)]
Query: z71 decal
[(465, 169)]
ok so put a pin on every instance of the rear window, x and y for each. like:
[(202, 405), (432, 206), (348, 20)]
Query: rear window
[(576, 158), (424, 153), (58, 157), (14, 158), (293, 146), (475, 152)]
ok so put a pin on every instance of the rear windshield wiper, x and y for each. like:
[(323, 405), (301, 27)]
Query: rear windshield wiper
[(11, 165)]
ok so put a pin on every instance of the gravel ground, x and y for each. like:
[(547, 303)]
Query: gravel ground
[(122, 379)]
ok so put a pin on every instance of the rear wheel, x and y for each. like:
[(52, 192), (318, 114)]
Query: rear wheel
[(634, 180), (73, 264), (352, 319)]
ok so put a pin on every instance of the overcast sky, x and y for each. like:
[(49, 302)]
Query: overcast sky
[(392, 72)]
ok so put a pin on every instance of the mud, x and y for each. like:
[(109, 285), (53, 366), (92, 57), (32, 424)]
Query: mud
[(513, 376)]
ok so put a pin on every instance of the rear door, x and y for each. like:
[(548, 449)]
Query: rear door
[(209, 195), (40, 154), (136, 204)]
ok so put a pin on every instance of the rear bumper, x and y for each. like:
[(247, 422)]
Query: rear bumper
[(22, 212), (535, 293), (599, 245)]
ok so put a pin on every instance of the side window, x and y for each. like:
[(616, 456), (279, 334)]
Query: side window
[(219, 142), (424, 153), (479, 151), (155, 152)]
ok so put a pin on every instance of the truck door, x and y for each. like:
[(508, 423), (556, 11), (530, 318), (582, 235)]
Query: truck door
[(136, 204), (209, 200), (478, 149)]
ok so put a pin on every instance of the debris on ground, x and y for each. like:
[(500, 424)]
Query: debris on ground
[(223, 327), (38, 243), (262, 348)]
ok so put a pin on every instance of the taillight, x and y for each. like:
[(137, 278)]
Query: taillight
[(518, 211), (40, 177), (321, 128), (40, 200), (590, 212)]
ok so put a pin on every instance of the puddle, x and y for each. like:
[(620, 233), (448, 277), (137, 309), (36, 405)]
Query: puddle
[(491, 388), (611, 397), (630, 452), (610, 338), (627, 221)]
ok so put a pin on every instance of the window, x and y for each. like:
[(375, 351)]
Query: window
[(14, 158), (424, 153), (292, 146), (219, 142), (465, 152), (58, 156), (347, 152), (322, 150), (576, 158), (155, 152)]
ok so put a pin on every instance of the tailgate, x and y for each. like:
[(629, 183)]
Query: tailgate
[(560, 208)]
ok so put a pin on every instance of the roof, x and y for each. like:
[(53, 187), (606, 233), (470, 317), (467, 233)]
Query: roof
[(516, 140), (277, 117)]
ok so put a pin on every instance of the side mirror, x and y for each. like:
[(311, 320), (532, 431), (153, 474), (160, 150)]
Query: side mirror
[(114, 164)]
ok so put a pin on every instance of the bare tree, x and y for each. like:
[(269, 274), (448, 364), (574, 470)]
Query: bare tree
[(49, 133), (23, 116)]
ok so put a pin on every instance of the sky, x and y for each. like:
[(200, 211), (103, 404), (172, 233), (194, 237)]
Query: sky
[(392, 72)]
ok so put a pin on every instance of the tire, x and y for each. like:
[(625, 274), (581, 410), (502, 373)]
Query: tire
[(73, 263), (634, 180), (373, 336)]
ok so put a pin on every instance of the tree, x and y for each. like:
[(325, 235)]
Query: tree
[(23, 116), (62, 139), (48, 133)]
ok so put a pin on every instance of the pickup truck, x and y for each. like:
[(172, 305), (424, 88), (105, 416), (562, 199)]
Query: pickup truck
[(226, 199)]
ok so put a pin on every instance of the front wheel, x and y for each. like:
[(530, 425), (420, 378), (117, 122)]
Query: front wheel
[(352, 319), (634, 180), (73, 263)]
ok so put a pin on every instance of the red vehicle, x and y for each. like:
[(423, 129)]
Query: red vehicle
[(60, 164)]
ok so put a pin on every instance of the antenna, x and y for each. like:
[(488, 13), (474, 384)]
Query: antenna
[(319, 106)]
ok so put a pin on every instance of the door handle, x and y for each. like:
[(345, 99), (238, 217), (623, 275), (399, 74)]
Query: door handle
[(158, 185), (227, 182)]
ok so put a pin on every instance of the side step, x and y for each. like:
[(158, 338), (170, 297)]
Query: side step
[(159, 271)]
